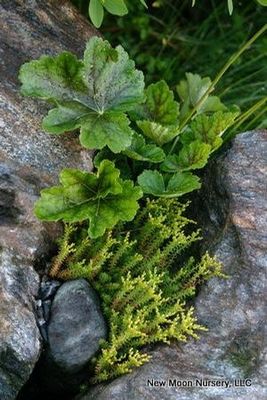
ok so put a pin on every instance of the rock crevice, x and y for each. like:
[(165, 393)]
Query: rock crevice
[(232, 210)]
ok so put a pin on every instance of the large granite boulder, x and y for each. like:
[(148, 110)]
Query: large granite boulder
[(20, 341), (30, 28), (229, 361), (29, 160)]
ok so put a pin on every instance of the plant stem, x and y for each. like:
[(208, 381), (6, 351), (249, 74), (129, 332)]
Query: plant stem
[(253, 121), (243, 117), (220, 74)]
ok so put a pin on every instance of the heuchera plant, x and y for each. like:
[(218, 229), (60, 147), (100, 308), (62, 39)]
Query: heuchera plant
[(156, 141)]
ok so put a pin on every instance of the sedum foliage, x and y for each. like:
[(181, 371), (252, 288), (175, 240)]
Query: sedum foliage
[(144, 277)]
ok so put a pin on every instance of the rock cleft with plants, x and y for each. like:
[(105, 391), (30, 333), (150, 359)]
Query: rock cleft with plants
[(133, 249)]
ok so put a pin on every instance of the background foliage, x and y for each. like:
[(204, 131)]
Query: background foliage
[(171, 38)]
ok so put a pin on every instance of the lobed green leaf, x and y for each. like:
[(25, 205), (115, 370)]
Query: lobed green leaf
[(157, 117), (158, 133), (109, 129), (141, 151), (102, 198), (191, 91), (192, 156), (160, 105), (92, 94), (209, 128), (152, 182)]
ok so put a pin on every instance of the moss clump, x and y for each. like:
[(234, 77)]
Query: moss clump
[(243, 353), (144, 278)]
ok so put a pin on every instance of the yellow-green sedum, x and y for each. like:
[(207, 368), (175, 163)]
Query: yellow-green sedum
[(144, 278)]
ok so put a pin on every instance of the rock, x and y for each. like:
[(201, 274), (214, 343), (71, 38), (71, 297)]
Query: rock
[(76, 325), (41, 28), (75, 328), (29, 160), (48, 288), (46, 294), (19, 228), (20, 342), (234, 214)]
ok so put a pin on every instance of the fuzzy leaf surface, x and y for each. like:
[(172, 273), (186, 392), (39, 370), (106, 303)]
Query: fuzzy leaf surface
[(158, 133), (141, 151), (110, 129), (105, 82), (190, 92), (101, 198), (192, 156), (159, 105), (209, 128), (56, 79), (153, 182), (157, 117)]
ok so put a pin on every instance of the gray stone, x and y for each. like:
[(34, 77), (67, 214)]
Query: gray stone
[(76, 325), (233, 211), (75, 328), (30, 28), (29, 160), (20, 230), (20, 342)]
